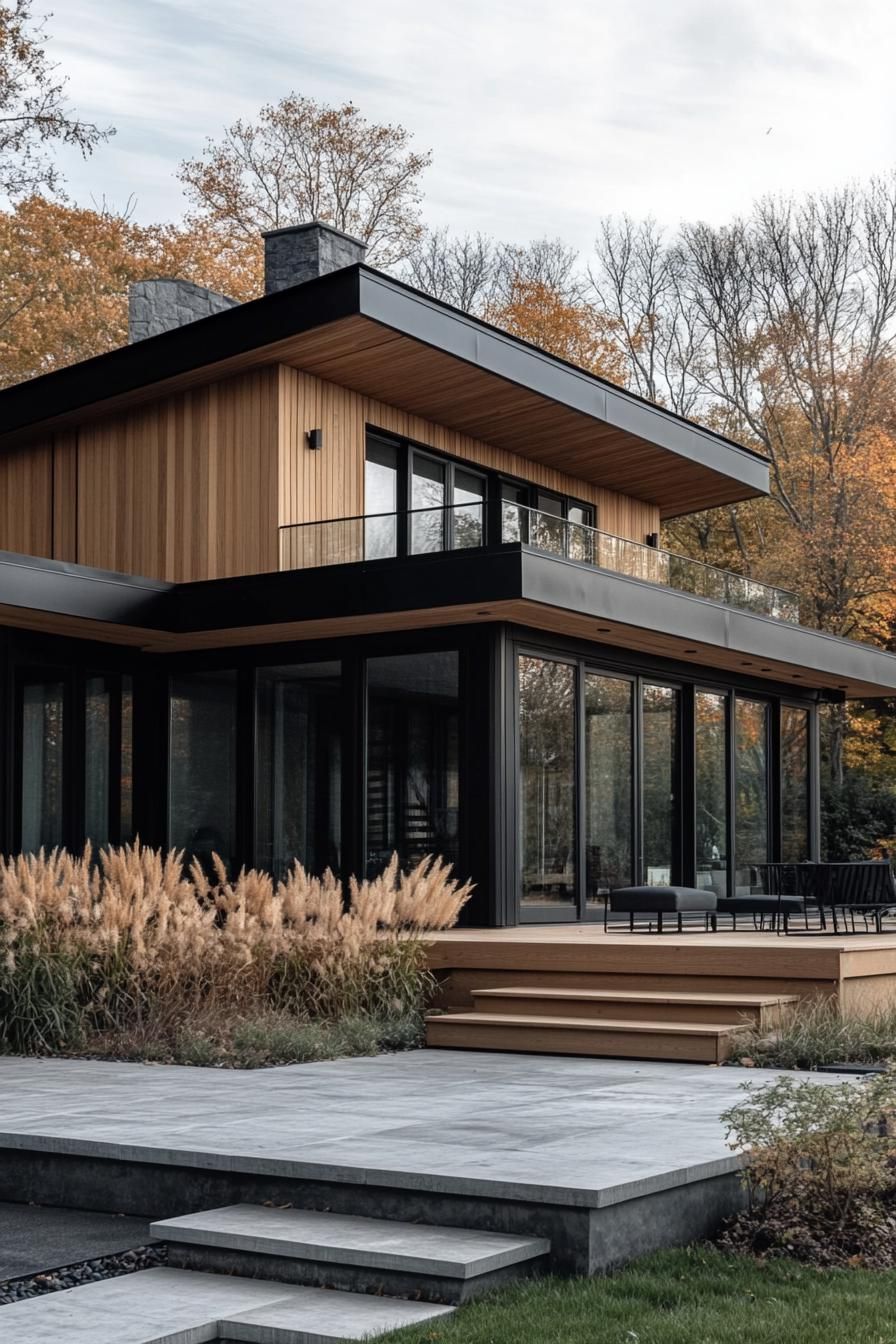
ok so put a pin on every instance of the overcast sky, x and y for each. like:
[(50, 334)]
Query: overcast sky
[(541, 117)]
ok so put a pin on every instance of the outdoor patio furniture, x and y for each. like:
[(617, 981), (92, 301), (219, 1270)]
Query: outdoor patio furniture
[(659, 902), (759, 907), (844, 891)]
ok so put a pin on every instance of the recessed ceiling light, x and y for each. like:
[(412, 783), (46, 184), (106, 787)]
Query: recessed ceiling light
[(843, 686), (604, 630), (483, 613), (746, 664), (690, 650), (765, 669), (797, 676)]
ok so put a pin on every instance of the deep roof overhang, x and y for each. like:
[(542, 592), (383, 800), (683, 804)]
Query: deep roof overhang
[(373, 334), (506, 583)]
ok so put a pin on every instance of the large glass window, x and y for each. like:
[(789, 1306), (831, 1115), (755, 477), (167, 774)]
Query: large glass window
[(794, 784), (711, 793), (427, 523), (380, 497), (99, 710), (299, 767), (43, 727), (609, 784), (202, 778), (751, 759), (659, 783), (413, 757), (467, 511), (547, 747)]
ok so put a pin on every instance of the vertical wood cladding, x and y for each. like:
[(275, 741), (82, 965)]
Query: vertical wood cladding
[(330, 483), (183, 488), (194, 485)]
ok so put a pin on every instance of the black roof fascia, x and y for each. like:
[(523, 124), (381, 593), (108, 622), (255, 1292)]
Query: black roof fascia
[(428, 582), (209, 340), (495, 351), (648, 606), (358, 290), (64, 589)]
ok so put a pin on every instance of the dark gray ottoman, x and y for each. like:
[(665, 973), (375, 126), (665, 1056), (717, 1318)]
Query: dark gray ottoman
[(661, 901), (761, 907)]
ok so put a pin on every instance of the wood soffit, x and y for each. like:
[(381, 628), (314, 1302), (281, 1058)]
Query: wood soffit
[(451, 384)]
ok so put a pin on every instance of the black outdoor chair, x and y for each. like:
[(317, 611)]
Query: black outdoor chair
[(778, 893), (845, 891)]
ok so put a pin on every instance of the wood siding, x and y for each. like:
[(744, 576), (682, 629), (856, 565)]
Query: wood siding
[(329, 483), (26, 500), (184, 488), (194, 485)]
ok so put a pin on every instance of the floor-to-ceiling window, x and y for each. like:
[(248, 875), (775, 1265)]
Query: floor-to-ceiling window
[(413, 757), (794, 784), (43, 743), (751, 777), (202, 765), (547, 754), (609, 785), (711, 789), (298, 793), (660, 817), (380, 499)]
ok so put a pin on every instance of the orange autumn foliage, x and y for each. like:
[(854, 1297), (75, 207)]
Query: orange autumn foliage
[(575, 331), (65, 272)]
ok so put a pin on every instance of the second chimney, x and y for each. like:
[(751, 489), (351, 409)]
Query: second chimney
[(302, 252)]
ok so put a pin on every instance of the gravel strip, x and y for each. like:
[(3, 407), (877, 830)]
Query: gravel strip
[(88, 1271)]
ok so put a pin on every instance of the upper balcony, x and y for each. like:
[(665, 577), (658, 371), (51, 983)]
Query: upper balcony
[(470, 526)]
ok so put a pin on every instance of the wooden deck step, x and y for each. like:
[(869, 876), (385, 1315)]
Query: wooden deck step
[(695, 1042), (759, 1010)]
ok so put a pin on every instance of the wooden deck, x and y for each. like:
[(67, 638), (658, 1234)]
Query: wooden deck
[(690, 977)]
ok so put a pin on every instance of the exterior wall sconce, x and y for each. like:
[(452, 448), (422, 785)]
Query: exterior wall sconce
[(315, 438), (653, 539)]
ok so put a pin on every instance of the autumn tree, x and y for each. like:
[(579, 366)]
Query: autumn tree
[(34, 111), (301, 160), (573, 330), (65, 272)]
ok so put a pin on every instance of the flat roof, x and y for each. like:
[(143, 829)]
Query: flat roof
[(627, 617), (373, 334)]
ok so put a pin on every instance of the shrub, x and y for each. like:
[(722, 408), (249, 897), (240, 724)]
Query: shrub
[(818, 1032), (820, 1175), (138, 944)]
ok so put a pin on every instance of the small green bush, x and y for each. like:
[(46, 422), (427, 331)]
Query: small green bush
[(817, 1033), (820, 1174)]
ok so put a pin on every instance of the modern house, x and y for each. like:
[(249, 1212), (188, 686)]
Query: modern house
[(344, 570)]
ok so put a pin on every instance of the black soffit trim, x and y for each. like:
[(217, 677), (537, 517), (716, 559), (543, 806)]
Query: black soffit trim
[(476, 579), (360, 291)]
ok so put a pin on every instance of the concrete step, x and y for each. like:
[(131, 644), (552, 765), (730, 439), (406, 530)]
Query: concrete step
[(760, 1010), (440, 1264), (694, 1042), (161, 1306)]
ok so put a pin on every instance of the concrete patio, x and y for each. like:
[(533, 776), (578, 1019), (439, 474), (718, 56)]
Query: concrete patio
[(568, 1131)]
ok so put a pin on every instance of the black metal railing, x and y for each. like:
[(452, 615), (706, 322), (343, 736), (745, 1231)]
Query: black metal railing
[(341, 541)]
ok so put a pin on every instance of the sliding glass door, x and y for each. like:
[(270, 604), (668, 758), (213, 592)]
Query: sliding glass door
[(598, 785), (548, 793), (609, 785)]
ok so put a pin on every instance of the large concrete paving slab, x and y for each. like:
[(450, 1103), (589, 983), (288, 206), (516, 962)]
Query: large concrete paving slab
[(379, 1243), (171, 1306), (560, 1130)]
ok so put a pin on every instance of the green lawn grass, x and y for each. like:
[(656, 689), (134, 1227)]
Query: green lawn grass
[(694, 1296)]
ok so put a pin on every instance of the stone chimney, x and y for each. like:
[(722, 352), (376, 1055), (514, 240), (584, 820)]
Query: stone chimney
[(155, 306), (302, 252)]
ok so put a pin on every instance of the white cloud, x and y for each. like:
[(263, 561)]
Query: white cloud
[(540, 118)]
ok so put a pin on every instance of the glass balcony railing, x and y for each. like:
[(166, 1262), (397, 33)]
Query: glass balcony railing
[(342, 541)]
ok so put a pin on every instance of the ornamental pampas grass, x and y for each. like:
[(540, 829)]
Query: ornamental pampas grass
[(133, 938)]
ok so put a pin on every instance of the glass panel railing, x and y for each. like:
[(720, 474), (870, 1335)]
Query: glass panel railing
[(342, 541), (576, 541)]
